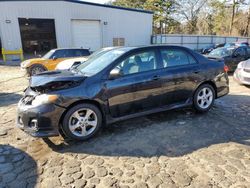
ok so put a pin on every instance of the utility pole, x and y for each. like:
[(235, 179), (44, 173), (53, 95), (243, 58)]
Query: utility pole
[(246, 32), (233, 15)]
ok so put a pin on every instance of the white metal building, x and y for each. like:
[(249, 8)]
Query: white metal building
[(71, 23)]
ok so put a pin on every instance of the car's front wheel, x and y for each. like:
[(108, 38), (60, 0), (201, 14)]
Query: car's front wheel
[(82, 122), (204, 98)]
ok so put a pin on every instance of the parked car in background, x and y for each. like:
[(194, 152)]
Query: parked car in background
[(122, 83), (236, 44), (211, 47), (207, 49), (230, 56), (69, 63), (49, 61), (242, 73)]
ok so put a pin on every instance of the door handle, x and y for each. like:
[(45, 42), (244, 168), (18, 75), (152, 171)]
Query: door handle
[(156, 77)]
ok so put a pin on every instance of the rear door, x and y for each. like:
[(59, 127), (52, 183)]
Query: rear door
[(139, 89), (181, 74)]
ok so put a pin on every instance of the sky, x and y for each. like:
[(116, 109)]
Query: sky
[(98, 1)]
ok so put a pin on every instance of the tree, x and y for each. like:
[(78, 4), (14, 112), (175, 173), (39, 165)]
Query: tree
[(246, 31), (163, 11), (189, 11), (220, 17), (205, 24), (163, 22), (129, 3), (234, 4)]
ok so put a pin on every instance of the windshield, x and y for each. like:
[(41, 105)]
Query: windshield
[(227, 45), (48, 54), (221, 52), (101, 60)]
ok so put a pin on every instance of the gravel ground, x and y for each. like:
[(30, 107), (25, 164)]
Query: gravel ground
[(170, 149)]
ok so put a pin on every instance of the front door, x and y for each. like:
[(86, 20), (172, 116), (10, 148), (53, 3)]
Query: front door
[(139, 87)]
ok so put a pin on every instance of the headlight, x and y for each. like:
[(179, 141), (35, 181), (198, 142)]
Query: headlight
[(25, 63), (44, 99)]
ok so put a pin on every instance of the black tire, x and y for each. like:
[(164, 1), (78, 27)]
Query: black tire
[(68, 115), (197, 102), (35, 69)]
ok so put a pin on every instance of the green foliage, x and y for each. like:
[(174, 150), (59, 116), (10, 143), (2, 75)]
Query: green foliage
[(221, 17), (163, 10)]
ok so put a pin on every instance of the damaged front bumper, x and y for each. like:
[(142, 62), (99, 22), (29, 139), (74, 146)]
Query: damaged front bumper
[(39, 121)]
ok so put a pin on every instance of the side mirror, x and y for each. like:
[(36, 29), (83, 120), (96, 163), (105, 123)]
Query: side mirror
[(115, 73), (54, 58)]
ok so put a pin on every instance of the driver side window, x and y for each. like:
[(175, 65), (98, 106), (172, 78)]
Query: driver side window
[(60, 54), (140, 62)]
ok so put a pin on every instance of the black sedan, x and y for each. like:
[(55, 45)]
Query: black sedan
[(230, 56), (122, 83)]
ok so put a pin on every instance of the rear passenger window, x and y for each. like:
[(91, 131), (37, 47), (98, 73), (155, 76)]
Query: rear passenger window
[(176, 57)]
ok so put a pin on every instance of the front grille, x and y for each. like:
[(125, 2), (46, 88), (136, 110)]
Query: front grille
[(247, 70), (27, 100)]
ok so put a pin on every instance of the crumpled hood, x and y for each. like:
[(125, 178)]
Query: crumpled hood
[(54, 79)]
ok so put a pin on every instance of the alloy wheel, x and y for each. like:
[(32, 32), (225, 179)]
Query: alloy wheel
[(82, 122), (205, 98)]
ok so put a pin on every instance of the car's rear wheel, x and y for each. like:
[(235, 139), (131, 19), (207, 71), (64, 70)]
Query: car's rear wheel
[(204, 98), (82, 122), (36, 69)]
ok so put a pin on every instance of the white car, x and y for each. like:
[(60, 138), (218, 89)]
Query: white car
[(242, 72), (68, 63)]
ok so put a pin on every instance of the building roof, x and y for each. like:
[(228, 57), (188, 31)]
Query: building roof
[(93, 4)]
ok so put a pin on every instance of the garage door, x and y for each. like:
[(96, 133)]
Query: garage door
[(86, 34)]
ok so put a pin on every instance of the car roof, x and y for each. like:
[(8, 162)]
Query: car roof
[(232, 47), (150, 46), (70, 49)]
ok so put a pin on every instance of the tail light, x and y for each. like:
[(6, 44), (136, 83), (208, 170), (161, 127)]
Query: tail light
[(226, 69)]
